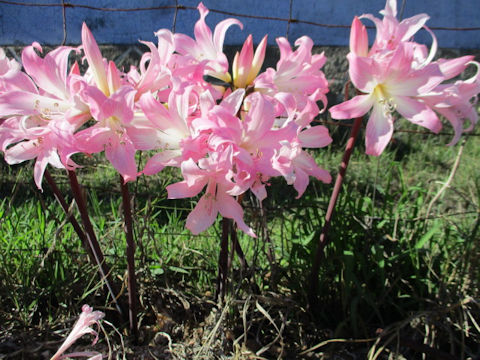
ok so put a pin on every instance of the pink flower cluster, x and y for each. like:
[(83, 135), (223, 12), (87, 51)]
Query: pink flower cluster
[(398, 74), (228, 133)]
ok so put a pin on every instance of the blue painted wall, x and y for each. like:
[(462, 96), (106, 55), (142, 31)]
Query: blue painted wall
[(24, 24)]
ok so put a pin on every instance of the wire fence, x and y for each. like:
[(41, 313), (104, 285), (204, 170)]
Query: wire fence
[(303, 13), (66, 5)]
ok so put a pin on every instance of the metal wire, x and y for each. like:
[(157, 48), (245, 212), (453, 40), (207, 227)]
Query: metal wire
[(224, 12)]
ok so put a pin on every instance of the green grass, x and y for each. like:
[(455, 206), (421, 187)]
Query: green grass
[(386, 259)]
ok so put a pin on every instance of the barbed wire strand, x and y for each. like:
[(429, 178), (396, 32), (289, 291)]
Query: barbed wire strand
[(224, 12)]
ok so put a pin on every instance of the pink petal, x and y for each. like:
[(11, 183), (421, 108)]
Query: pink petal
[(379, 131), (182, 190), (456, 123), (39, 170), (284, 47), (23, 151), (192, 173), (416, 83), (259, 190), (203, 34), (158, 161), (203, 215), (183, 43), (10, 132), (94, 59), (195, 181), (93, 139), (156, 112), (418, 113), (145, 138), (390, 8), (453, 67), (433, 47), (50, 72), (353, 108), (315, 137), (113, 77), (358, 38), (149, 75), (220, 31), (258, 59), (121, 154), (306, 163), (229, 208), (233, 102), (289, 104), (362, 72), (410, 26), (306, 116), (301, 182), (87, 318), (26, 103), (260, 117)]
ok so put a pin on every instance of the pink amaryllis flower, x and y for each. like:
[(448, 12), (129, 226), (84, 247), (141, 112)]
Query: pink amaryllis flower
[(207, 49), (87, 318), (215, 173), (110, 134), (111, 101), (297, 80), (398, 75), (456, 101), (391, 33), (11, 76), (168, 130), (43, 109), (156, 77), (391, 80)]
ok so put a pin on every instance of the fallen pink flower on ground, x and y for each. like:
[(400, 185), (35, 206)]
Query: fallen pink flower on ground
[(87, 318)]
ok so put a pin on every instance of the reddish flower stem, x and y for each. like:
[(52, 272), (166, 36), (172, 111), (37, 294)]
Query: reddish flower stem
[(223, 260), (323, 240), (132, 282), (238, 249), (92, 240), (235, 243), (70, 217)]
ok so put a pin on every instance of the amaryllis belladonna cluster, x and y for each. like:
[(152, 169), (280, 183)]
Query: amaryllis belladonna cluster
[(397, 74), (227, 132)]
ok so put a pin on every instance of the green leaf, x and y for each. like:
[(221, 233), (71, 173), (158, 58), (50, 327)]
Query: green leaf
[(178, 269), (156, 270), (426, 237)]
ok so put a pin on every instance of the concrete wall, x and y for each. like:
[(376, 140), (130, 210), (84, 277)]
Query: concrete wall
[(20, 24)]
